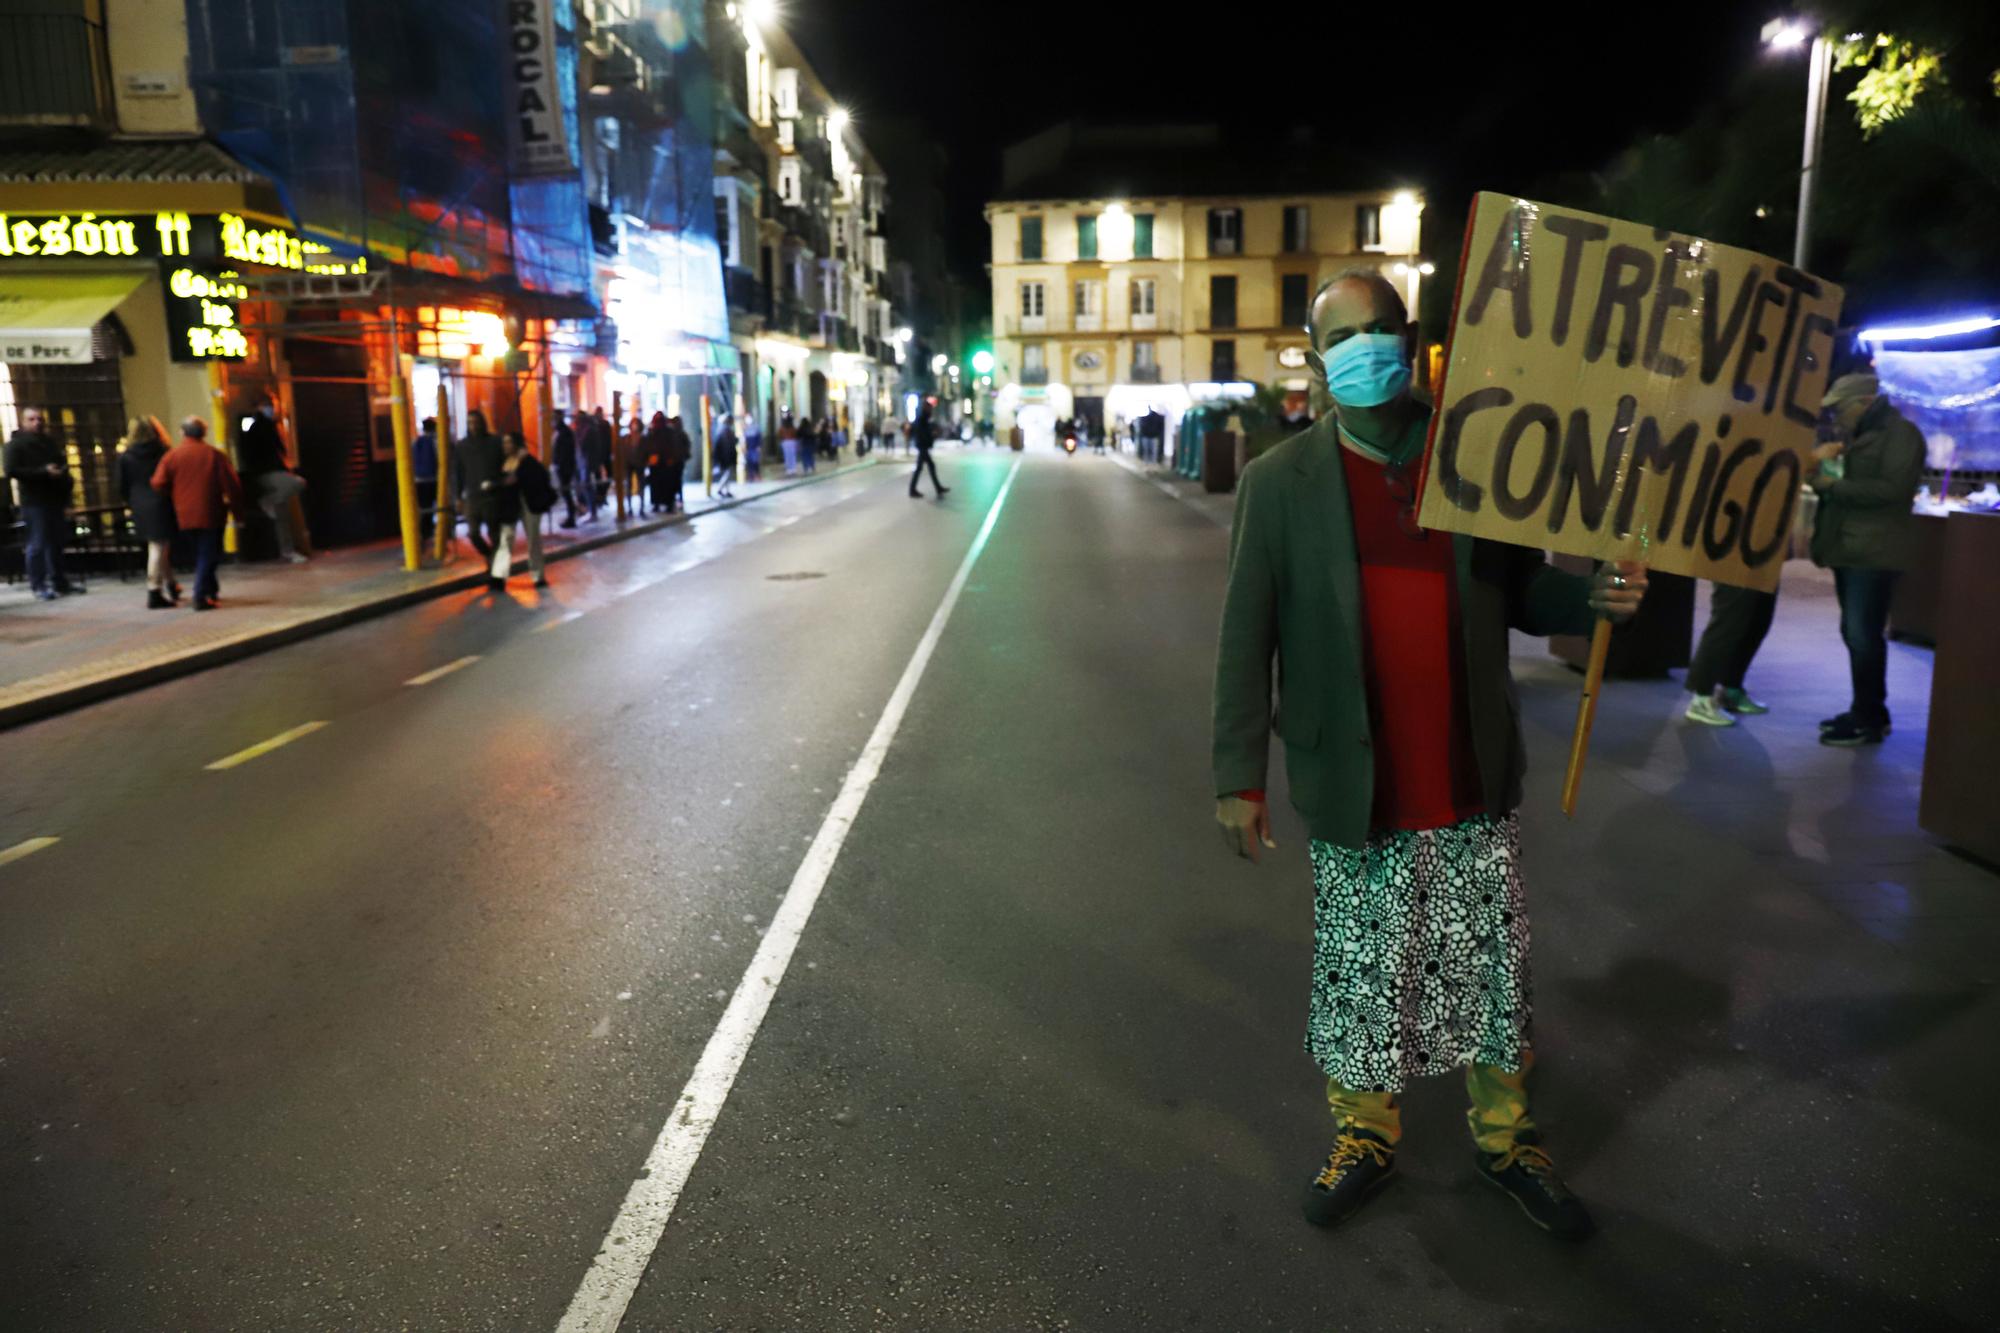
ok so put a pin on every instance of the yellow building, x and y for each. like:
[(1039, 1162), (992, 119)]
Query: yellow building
[(1106, 308)]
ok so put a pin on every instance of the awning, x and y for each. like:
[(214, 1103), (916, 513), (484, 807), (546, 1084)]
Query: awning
[(47, 317)]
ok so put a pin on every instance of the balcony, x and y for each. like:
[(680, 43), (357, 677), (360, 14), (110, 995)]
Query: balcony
[(791, 317), (1144, 374), (53, 71), (1038, 326), (746, 294), (1035, 375)]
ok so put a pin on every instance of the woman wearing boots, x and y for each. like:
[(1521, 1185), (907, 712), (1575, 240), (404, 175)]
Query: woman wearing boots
[(144, 446)]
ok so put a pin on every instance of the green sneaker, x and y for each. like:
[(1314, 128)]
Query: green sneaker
[(1708, 712), (1739, 701)]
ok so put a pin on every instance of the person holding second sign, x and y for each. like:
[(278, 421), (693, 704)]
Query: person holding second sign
[(1404, 757)]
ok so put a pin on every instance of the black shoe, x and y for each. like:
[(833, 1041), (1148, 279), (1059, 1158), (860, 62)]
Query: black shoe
[(204, 604), (1525, 1173), (541, 582), (943, 491), (1827, 724), (173, 591), (1361, 1163), (1848, 733), (157, 600), (73, 590), (496, 585), (46, 594), (916, 495), (567, 523)]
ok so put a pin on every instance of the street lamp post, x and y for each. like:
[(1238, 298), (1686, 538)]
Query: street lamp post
[(1786, 34)]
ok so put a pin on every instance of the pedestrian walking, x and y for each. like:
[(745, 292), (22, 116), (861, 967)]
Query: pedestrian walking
[(204, 490), (268, 478), (526, 495), (1404, 757), (724, 458), (34, 463), (1738, 620), (566, 467), (753, 448), (478, 462), (1867, 479), (809, 446), (424, 466), (658, 451), (922, 437), (839, 442), (139, 456)]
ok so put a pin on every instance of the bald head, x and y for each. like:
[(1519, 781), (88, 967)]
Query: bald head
[(1356, 301)]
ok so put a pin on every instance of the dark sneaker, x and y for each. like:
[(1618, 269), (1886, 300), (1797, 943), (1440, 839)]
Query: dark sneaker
[(1525, 1173), (158, 601), (1738, 700), (1361, 1163), (1848, 733), (1847, 720)]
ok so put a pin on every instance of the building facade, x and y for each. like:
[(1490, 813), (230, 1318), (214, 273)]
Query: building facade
[(1106, 308)]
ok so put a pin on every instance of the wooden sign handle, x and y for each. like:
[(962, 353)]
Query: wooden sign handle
[(1586, 713)]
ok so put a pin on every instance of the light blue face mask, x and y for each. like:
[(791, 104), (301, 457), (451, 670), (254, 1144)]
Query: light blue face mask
[(1367, 370)]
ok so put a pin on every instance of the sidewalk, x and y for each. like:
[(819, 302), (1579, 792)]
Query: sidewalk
[(60, 655)]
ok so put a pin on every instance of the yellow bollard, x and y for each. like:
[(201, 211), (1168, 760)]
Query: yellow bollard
[(444, 518), (406, 472), (218, 407), (707, 461)]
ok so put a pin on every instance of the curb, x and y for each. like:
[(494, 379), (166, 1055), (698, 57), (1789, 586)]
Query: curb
[(66, 698)]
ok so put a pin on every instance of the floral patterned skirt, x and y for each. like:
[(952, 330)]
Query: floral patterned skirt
[(1420, 954)]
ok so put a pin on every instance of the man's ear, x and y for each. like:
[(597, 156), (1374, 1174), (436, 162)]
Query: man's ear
[(1316, 363), (1412, 340)]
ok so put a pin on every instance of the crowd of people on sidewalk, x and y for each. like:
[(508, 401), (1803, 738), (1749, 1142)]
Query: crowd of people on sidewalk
[(181, 497)]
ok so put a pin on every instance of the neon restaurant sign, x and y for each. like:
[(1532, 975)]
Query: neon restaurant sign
[(214, 237)]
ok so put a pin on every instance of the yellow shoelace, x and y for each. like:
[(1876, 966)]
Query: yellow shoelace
[(1348, 1150), (1536, 1163)]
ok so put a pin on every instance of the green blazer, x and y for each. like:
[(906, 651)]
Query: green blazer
[(1295, 594)]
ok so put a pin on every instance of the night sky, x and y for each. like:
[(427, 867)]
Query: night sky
[(1495, 101)]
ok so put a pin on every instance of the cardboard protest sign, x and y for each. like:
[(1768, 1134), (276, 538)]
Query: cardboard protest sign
[(1617, 391)]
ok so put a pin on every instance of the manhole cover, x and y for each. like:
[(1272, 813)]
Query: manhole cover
[(794, 578)]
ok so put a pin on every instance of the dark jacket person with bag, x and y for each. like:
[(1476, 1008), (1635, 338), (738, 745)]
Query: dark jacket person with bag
[(1404, 757), (152, 512), (34, 463), (527, 493), (476, 463), (1863, 532)]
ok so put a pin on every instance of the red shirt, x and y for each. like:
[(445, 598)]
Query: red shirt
[(1413, 660)]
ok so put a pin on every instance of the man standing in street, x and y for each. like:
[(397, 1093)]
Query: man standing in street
[(34, 462), (596, 444), (1403, 754), (269, 479), (204, 490), (1866, 481), (424, 463), (479, 463), (923, 436)]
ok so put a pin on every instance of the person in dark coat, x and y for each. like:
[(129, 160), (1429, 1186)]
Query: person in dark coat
[(269, 480), (658, 449), (478, 463), (566, 468), (596, 445), (725, 458), (525, 493), (152, 513), (34, 463), (923, 435), (424, 467), (197, 478), (680, 450)]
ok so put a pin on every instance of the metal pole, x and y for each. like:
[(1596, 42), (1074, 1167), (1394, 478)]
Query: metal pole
[(1818, 74), (218, 411), (406, 473)]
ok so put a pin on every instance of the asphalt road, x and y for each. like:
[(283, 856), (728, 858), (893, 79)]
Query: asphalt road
[(374, 1030)]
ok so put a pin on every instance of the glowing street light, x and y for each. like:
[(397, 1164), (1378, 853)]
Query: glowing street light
[(836, 122), (982, 362)]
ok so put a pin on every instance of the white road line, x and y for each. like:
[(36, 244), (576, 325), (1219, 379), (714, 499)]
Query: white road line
[(437, 673), (600, 1302), (28, 848), (563, 619), (265, 747)]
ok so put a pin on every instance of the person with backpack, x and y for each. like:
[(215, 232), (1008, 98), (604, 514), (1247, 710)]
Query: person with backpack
[(526, 492), (152, 512)]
